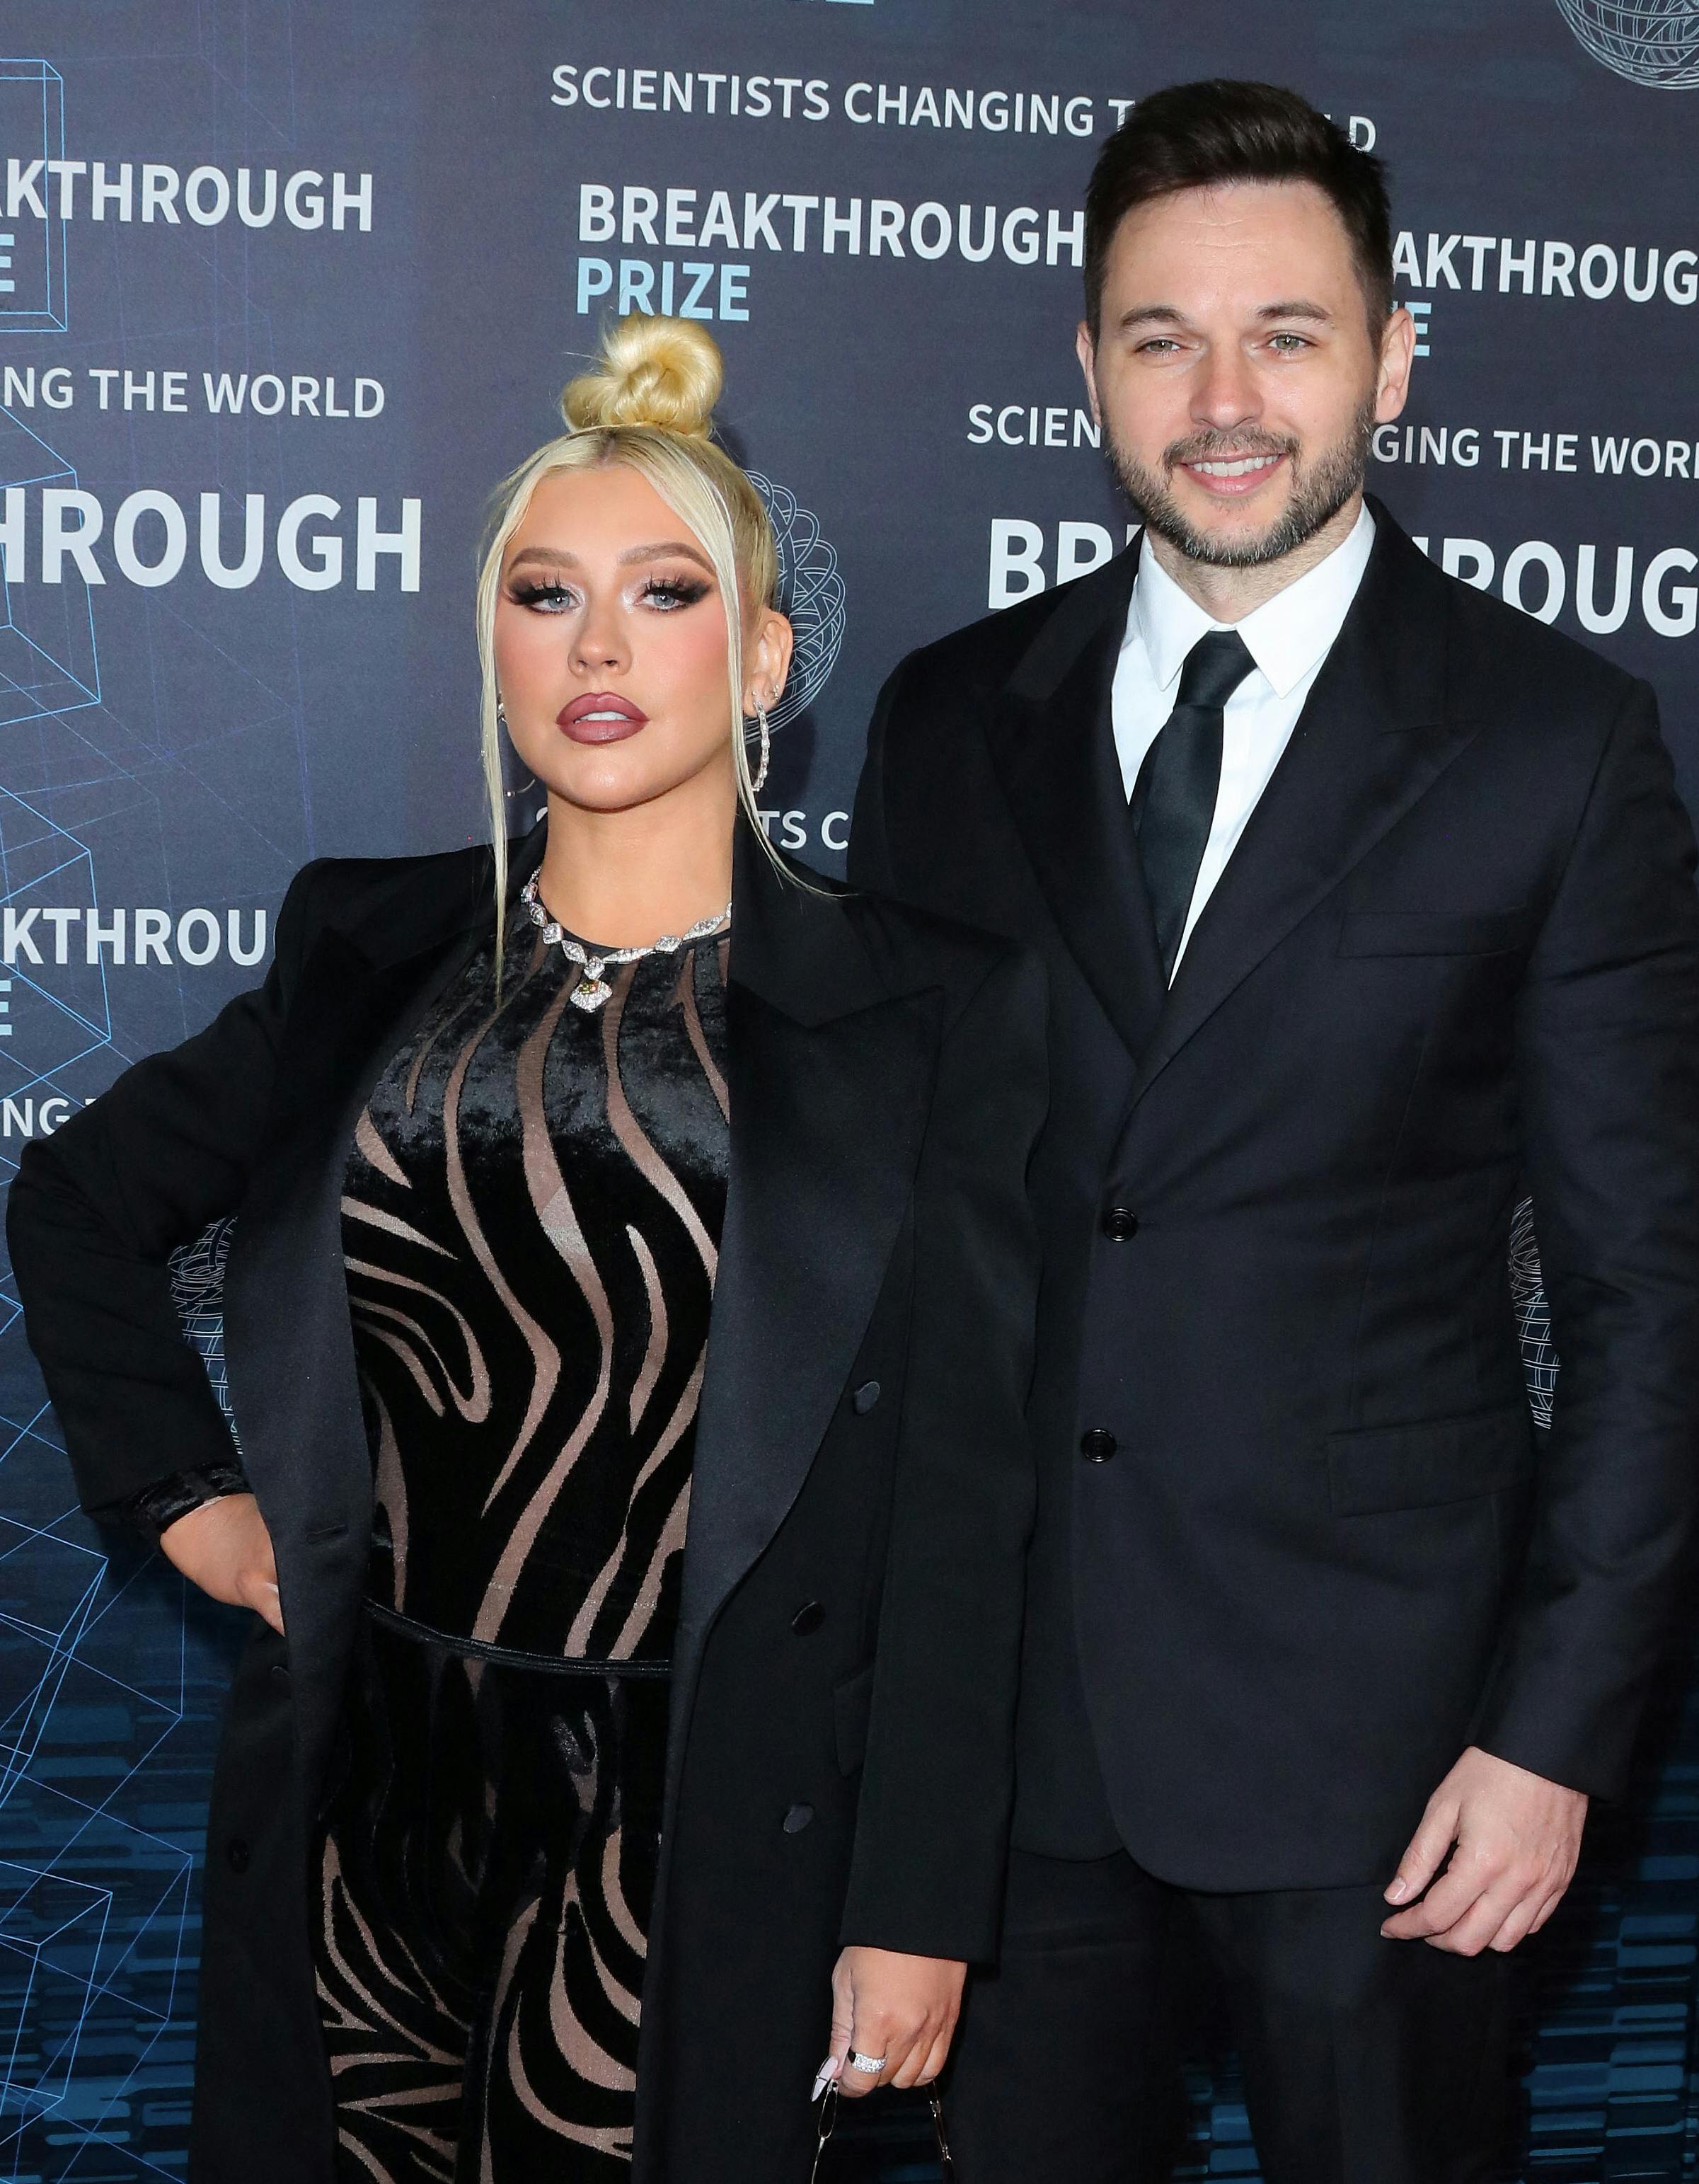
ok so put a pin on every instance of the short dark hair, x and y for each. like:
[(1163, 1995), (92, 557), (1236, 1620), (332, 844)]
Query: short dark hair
[(1196, 136)]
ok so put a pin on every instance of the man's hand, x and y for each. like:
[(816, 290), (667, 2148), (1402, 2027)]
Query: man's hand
[(1513, 1839), (901, 2007), (224, 1547)]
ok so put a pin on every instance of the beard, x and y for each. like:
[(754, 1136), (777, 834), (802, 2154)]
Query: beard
[(1320, 488)]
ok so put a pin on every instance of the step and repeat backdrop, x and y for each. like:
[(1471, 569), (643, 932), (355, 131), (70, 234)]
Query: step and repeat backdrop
[(285, 286)]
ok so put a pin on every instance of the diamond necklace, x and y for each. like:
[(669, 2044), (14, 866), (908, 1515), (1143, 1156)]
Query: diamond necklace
[(593, 988)]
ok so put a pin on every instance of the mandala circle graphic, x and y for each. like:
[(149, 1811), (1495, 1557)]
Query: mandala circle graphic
[(1650, 41), (811, 592)]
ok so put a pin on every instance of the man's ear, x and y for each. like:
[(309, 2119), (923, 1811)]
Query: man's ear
[(1086, 350), (1397, 352)]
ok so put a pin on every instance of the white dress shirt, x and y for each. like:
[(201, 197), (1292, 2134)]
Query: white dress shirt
[(1288, 637)]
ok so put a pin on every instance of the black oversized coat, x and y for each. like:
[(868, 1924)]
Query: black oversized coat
[(860, 1445), (1298, 1543)]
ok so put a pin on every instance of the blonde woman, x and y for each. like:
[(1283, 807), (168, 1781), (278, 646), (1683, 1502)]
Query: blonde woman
[(622, 1744)]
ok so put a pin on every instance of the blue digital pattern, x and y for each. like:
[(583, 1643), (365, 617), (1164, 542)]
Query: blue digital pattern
[(110, 1677), (109, 1691), (110, 1671)]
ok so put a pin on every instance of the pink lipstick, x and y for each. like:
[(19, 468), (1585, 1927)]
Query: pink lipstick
[(601, 717)]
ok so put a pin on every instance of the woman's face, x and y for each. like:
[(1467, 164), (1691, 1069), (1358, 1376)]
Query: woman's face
[(610, 644)]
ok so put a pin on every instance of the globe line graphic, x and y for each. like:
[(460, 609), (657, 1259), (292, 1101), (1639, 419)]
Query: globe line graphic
[(811, 594), (1654, 43)]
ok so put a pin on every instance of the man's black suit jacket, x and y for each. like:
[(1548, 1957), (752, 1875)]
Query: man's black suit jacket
[(1455, 957)]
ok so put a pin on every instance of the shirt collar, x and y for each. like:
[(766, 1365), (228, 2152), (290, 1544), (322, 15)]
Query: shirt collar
[(1287, 636)]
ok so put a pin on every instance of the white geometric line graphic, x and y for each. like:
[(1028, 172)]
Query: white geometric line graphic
[(1654, 43), (811, 591), (1532, 1315)]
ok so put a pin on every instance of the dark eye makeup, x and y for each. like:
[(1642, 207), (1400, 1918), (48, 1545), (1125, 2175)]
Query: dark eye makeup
[(668, 594), (527, 591), (672, 593)]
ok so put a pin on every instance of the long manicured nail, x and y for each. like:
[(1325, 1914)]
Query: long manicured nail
[(829, 2071)]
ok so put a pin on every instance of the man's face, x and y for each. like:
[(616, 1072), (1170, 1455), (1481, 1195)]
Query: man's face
[(1234, 373)]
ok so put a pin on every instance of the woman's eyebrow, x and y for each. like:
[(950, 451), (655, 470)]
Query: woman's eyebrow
[(664, 551), (558, 556)]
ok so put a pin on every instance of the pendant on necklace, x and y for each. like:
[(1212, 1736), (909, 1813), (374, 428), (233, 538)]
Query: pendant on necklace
[(589, 993)]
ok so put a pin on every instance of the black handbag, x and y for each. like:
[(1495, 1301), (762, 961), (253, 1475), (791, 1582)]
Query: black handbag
[(824, 2170)]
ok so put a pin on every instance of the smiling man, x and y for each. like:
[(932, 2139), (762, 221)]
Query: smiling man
[(1368, 909)]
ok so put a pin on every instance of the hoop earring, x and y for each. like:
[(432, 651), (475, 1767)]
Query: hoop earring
[(760, 774)]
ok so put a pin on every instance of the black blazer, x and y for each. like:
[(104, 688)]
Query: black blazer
[(860, 1444), (1456, 956)]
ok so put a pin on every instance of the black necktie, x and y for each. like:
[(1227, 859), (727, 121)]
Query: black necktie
[(1172, 804)]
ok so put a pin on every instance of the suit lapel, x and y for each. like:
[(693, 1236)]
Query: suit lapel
[(1373, 735), (829, 1062), (1053, 742)]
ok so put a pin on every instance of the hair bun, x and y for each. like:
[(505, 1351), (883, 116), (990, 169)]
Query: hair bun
[(664, 373)]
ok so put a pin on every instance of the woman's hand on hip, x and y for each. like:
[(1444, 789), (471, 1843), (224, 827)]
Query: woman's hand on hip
[(224, 1547), (901, 2008)]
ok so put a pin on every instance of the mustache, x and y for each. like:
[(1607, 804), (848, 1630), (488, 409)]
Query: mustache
[(1223, 447)]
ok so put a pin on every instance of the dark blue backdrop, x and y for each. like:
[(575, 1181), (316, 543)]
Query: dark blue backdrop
[(285, 287)]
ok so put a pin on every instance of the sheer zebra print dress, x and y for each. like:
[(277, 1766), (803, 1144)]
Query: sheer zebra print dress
[(530, 1231)]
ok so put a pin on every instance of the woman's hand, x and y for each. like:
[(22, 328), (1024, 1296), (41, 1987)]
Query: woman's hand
[(224, 1548), (901, 2007)]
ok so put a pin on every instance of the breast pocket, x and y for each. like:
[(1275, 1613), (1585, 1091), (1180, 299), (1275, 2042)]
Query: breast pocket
[(1434, 932)]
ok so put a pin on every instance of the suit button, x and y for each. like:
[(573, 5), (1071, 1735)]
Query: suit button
[(1121, 1224), (865, 1397), (236, 1855), (808, 1619), (797, 1818), (1098, 1445), (279, 1674)]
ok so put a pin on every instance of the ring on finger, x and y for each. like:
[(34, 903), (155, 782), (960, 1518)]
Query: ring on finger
[(873, 2065)]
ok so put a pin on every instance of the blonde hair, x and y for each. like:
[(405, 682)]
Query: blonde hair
[(647, 404)]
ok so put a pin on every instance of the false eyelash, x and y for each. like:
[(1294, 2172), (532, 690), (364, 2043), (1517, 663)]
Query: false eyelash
[(687, 589)]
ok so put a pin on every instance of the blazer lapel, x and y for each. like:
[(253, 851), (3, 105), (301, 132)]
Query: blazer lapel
[(827, 1066), (1373, 734), (288, 1338), (289, 1342), (363, 988), (1053, 741)]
